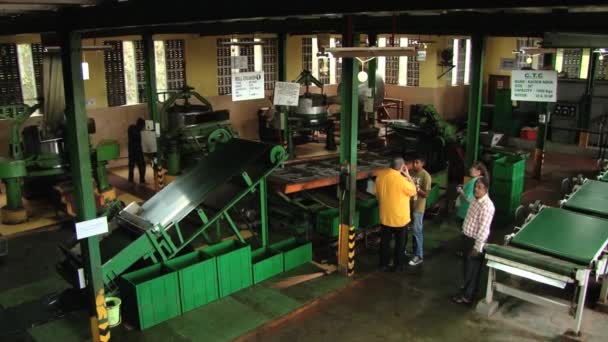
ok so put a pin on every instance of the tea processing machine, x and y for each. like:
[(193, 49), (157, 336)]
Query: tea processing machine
[(38, 163), (183, 213), (554, 247), (187, 129)]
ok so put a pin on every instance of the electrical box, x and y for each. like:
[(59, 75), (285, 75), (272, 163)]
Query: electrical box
[(565, 115)]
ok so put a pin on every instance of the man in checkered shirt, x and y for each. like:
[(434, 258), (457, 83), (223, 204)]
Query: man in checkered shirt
[(476, 229)]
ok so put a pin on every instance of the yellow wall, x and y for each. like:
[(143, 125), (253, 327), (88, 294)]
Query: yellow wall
[(496, 49), (294, 57)]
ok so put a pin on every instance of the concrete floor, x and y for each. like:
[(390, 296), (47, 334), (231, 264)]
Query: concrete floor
[(410, 306)]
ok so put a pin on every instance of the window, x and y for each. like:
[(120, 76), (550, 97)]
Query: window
[(461, 60), (260, 57), (401, 70), (325, 69), (115, 73), (391, 69), (601, 68), (10, 83), (523, 59), (571, 64), (413, 66), (125, 70), (37, 51)]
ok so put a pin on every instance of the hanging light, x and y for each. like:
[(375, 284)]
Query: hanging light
[(362, 76), (601, 57), (529, 59)]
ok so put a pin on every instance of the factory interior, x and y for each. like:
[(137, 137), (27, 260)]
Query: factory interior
[(186, 171)]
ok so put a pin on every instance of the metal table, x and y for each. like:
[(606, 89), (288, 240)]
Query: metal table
[(590, 198), (555, 247)]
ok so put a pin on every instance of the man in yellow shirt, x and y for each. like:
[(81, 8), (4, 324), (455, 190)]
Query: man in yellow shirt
[(394, 188)]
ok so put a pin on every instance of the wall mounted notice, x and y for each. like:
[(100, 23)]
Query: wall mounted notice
[(534, 85), (508, 64), (92, 227), (286, 93), (247, 86)]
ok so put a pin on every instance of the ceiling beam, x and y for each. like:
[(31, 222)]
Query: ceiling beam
[(16, 8)]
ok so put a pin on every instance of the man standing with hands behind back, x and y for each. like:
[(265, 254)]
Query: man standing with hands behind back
[(394, 188)]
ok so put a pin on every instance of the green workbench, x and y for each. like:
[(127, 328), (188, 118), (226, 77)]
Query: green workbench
[(564, 234), (591, 198)]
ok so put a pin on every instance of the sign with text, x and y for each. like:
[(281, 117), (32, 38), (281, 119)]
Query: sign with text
[(286, 93), (247, 86), (92, 227), (534, 85)]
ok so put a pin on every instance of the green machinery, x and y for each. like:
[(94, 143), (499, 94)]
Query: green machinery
[(426, 133), (34, 161), (554, 247), (187, 129), (188, 210)]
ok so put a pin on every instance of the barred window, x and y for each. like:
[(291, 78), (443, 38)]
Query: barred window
[(572, 62), (307, 54), (176, 64), (115, 73), (269, 62), (413, 67), (37, 51), (10, 82), (601, 69), (522, 59), (326, 69), (461, 60)]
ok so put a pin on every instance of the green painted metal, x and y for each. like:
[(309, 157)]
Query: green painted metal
[(266, 264), (197, 274), (585, 117), (150, 296), (533, 259), (349, 121), (509, 167), (475, 92), (13, 193), (433, 196), (604, 177), (233, 266), (328, 222), (564, 234), (173, 161), (80, 160), (295, 253), (12, 168), (16, 115), (264, 212), (369, 214), (107, 150), (591, 198)]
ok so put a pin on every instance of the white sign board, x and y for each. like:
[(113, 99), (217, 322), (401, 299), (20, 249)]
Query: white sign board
[(148, 141), (286, 93), (534, 85), (368, 105), (508, 64), (92, 227), (239, 62), (421, 56), (247, 86)]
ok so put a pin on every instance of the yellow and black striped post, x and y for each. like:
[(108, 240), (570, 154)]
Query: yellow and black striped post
[(101, 320), (159, 177)]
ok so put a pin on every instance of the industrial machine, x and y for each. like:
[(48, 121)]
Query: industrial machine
[(38, 165), (310, 115), (555, 247), (426, 133), (206, 195), (187, 129)]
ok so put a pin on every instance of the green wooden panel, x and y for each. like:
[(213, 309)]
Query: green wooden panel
[(328, 222), (369, 215), (564, 234), (591, 198), (197, 274), (234, 268), (266, 264), (156, 292)]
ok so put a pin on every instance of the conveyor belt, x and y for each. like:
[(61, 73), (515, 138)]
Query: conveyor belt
[(533, 259), (564, 234), (591, 198), (184, 194)]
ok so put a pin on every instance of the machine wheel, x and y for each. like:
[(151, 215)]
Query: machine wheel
[(277, 154), (220, 135)]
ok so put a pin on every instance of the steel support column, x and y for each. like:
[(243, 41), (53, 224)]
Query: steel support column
[(349, 119), (282, 57), (585, 118), (541, 137), (372, 66), (82, 178), (264, 212), (475, 88), (150, 76)]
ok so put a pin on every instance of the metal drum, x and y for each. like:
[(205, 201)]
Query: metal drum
[(52, 146), (311, 107)]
